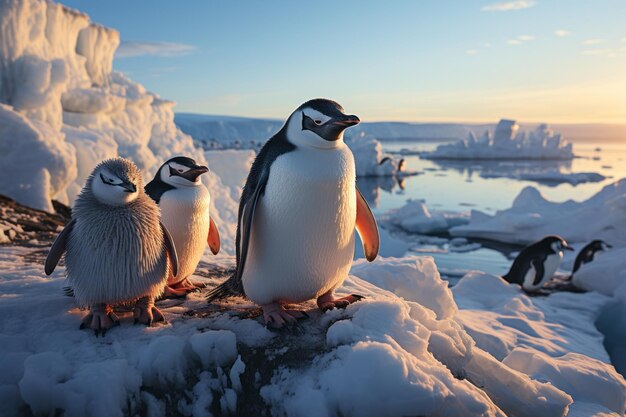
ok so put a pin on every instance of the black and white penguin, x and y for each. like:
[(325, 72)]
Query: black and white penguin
[(184, 202), (537, 263), (297, 215), (117, 249), (588, 253)]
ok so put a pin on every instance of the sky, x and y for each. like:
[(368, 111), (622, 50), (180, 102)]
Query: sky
[(558, 61)]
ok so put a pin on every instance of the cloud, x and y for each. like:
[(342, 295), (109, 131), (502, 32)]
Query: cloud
[(561, 33), (593, 41), (508, 6), (472, 52), (166, 49), (520, 39)]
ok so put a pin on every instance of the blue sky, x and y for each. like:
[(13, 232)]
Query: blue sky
[(419, 60)]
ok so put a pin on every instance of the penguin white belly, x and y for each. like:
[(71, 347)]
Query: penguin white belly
[(302, 240), (185, 214), (550, 266)]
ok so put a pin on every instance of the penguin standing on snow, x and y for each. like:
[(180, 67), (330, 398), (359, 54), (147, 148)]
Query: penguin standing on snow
[(537, 263), (184, 202), (117, 249), (588, 253), (297, 215)]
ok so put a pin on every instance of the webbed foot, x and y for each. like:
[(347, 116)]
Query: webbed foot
[(100, 319), (181, 289), (277, 317), (328, 301), (145, 312)]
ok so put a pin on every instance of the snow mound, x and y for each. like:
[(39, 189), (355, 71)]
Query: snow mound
[(63, 110), (369, 158), (507, 143), (414, 217), (532, 216)]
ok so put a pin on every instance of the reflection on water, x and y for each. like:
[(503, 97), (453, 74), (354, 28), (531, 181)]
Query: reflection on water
[(487, 186)]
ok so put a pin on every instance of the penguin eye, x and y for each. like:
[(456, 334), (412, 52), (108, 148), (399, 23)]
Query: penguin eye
[(180, 170), (318, 122)]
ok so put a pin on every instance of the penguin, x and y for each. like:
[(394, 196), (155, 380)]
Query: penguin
[(184, 202), (297, 215), (537, 263), (117, 250), (587, 254)]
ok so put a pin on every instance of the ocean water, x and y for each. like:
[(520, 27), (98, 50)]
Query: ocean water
[(486, 186)]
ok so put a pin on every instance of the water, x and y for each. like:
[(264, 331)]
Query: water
[(485, 186)]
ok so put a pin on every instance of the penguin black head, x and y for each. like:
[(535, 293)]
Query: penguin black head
[(554, 244), (181, 171), (598, 245), (115, 182), (319, 123)]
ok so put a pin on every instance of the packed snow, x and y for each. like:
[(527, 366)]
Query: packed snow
[(415, 217), (507, 143)]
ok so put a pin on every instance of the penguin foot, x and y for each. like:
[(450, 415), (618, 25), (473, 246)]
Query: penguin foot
[(181, 289), (328, 302), (100, 319), (277, 317), (145, 312), (538, 293)]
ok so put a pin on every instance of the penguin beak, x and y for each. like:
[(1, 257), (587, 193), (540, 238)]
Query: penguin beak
[(195, 172), (128, 187), (347, 121), (567, 247)]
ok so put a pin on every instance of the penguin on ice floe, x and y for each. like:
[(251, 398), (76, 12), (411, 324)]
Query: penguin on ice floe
[(184, 202), (537, 263), (588, 253), (116, 248), (297, 215)]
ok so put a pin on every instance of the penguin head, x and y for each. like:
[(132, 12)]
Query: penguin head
[(115, 182), (319, 123), (181, 172), (556, 244), (599, 245)]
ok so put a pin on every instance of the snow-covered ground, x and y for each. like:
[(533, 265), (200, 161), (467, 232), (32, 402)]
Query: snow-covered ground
[(415, 217), (507, 143)]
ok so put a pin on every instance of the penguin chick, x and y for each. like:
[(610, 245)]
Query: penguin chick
[(116, 248), (297, 215), (184, 202), (588, 253), (537, 263)]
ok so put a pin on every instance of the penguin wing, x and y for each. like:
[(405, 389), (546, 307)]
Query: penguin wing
[(214, 238), (58, 247), (367, 227), (245, 222), (539, 269), (170, 249)]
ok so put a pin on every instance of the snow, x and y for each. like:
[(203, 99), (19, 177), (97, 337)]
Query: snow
[(507, 143), (556, 177), (415, 217), (532, 216)]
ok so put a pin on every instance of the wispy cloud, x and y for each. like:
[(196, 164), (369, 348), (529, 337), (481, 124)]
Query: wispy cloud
[(561, 33), (520, 39), (472, 52), (593, 41), (166, 49), (508, 6)]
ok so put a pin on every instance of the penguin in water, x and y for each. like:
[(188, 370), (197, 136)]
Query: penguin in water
[(588, 253), (184, 202), (297, 215), (537, 263), (116, 248)]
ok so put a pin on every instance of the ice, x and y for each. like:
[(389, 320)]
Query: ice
[(369, 158), (507, 143), (532, 216), (415, 217)]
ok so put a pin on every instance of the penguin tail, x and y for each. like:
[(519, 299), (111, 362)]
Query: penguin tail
[(229, 288), (68, 291)]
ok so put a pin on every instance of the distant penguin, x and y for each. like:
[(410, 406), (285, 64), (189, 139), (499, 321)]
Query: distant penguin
[(588, 253), (184, 202), (117, 249), (537, 263), (297, 215)]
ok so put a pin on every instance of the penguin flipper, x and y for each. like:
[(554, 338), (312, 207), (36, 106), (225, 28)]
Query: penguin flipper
[(58, 247), (539, 270), (214, 238), (170, 249), (367, 227)]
